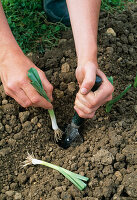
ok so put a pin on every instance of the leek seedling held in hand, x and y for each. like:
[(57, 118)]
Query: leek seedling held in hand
[(37, 84), (76, 179)]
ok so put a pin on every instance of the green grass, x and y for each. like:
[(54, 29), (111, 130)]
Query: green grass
[(30, 27), (111, 5)]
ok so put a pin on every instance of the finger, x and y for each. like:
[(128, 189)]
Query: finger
[(103, 93), (88, 103), (83, 115), (46, 85), (89, 79), (106, 82), (36, 99), (82, 107), (25, 104), (20, 97), (89, 100), (79, 75), (85, 99), (109, 98), (99, 97), (16, 93)]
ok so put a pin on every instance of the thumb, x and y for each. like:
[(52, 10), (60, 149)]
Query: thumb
[(89, 80), (47, 86)]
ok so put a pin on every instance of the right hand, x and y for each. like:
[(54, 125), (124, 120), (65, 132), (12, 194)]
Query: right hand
[(13, 73), (87, 102)]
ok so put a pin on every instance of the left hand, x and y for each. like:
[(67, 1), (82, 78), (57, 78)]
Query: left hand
[(87, 102)]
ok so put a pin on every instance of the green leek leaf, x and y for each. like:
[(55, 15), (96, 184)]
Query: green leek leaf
[(77, 175), (110, 103), (110, 79), (34, 76), (36, 82), (76, 179), (77, 182)]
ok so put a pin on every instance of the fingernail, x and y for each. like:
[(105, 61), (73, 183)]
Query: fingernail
[(83, 91)]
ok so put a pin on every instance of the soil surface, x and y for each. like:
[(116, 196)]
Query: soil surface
[(108, 155)]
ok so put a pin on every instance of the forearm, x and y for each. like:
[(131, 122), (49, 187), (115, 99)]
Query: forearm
[(84, 16), (7, 40)]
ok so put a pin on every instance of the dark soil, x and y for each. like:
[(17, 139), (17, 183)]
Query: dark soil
[(108, 155)]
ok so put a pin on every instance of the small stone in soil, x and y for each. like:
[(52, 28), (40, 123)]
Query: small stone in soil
[(23, 116), (130, 151), (9, 109), (17, 196), (71, 87), (65, 68), (18, 136), (1, 127), (27, 126), (110, 50), (9, 193), (34, 120), (110, 31), (11, 142), (59, 94), (22, 178), (8, 128), (103, 156), (5, 151), (63, 86), (130, 183), (4, 102)]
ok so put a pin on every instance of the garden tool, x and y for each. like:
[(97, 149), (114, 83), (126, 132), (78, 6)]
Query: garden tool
[(71, 136)]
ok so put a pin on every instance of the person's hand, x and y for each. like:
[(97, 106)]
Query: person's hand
[(87, 102), (13, 73)]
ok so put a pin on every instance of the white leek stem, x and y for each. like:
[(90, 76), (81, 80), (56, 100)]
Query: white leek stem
[(53, 119), (36, 161)]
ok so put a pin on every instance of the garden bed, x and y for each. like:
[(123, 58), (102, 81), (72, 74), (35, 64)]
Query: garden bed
[(108, 155)]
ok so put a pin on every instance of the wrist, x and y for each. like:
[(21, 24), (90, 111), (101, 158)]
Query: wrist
[(10, 51), (87, 56)]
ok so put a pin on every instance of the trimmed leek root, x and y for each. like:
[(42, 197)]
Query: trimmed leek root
[(57, 132)]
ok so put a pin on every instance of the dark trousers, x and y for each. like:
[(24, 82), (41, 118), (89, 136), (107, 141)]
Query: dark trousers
[(57, 11)]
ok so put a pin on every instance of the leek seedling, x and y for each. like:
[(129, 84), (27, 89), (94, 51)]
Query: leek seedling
[(110, 103), (37, 84), (110, 78), (76, 179), (135, 82)]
